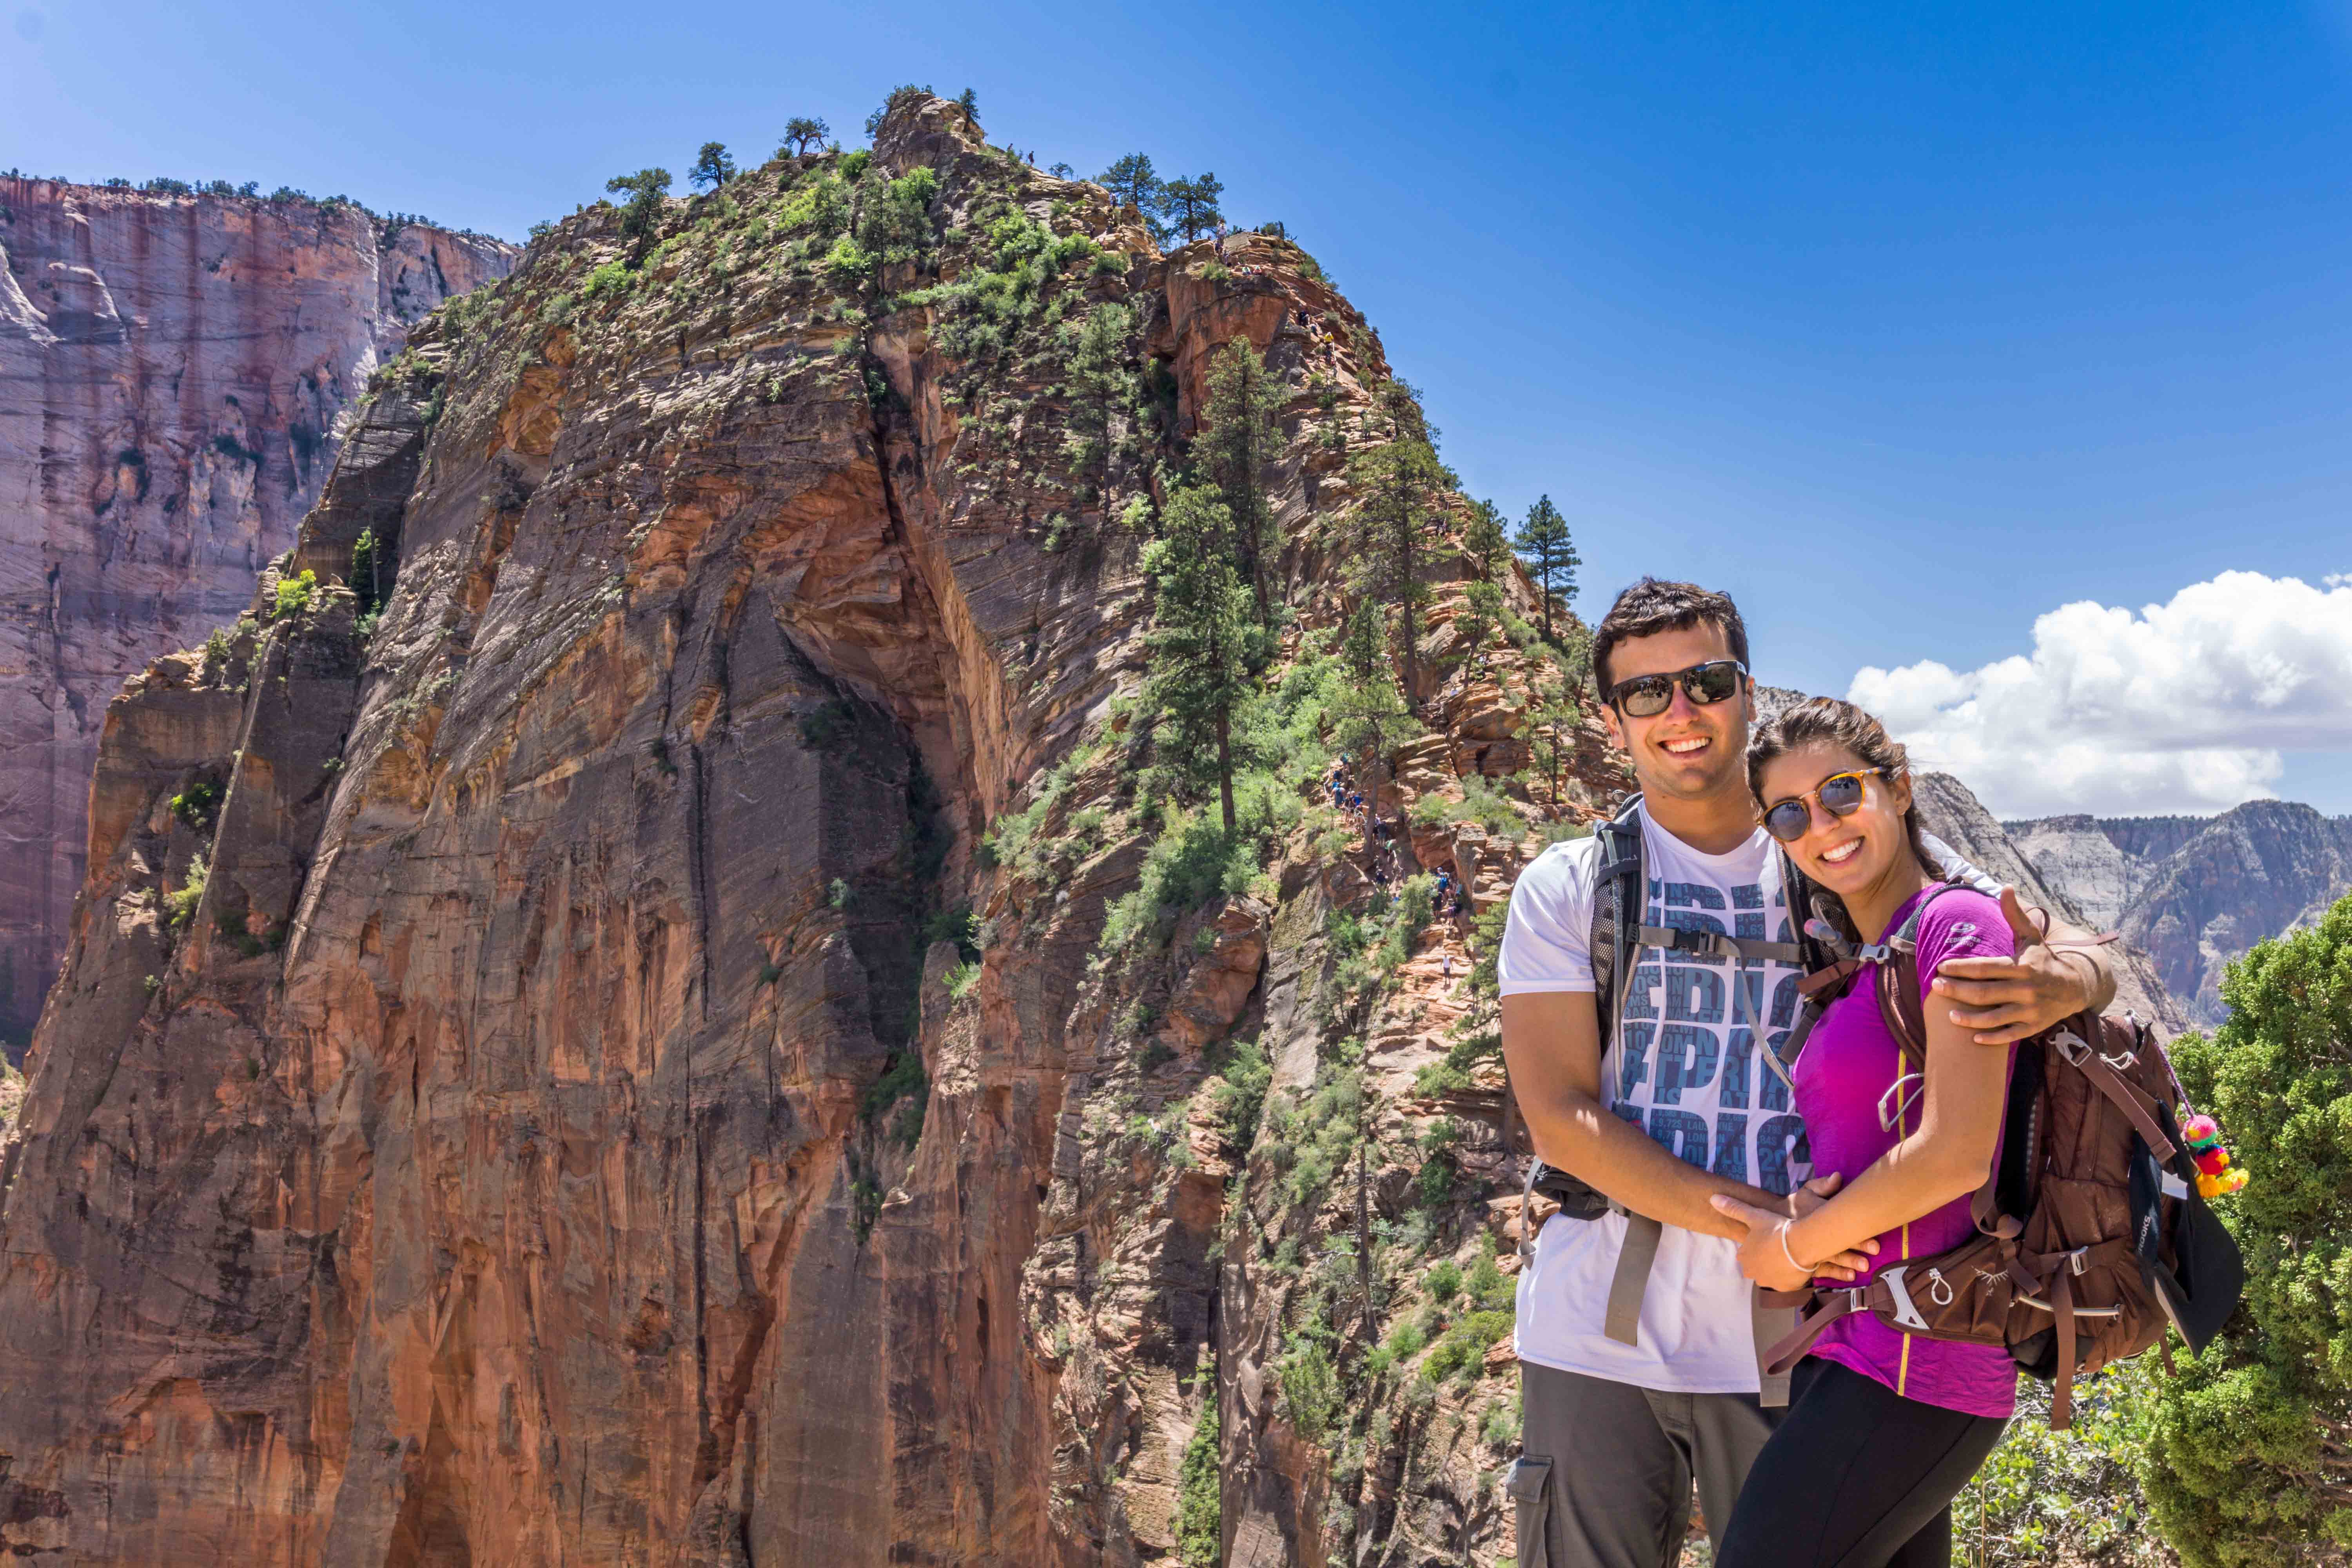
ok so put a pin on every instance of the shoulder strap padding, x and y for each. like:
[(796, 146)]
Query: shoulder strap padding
[(1898, 980)]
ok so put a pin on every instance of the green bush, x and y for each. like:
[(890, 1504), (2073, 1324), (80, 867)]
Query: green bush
[(2068, 1496), (294, 594), (1200, 1507), (1443, 1280), (198, 805), (1240, 1095), (1310, 1389), (180, 907), (2245, 1462)]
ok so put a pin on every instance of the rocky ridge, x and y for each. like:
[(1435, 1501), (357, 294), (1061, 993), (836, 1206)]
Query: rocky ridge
[(172, 372), (2195, 892), (491, 1110)]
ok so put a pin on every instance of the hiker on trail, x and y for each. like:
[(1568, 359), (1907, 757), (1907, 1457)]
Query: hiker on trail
[(1882, 1432), (1639, 1061)]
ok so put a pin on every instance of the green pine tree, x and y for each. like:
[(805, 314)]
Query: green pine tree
[(643, 210), (1133, 181), (712, 167), (1543, 543), (1099, 389), (2249, 1456), (1368, 716), (1396, 526), (1190, 205), (1202, 638), (1238, 439), (1554, 724)]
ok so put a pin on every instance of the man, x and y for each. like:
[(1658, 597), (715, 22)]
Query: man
[(1619, 1424)]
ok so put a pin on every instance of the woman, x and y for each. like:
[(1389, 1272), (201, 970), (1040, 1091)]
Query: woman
[(1884, 1429)]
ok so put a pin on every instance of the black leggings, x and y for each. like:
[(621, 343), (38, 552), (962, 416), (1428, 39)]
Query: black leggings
[(1855, 1476)]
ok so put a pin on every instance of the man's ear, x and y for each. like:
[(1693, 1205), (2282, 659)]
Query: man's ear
[(1616, 731)]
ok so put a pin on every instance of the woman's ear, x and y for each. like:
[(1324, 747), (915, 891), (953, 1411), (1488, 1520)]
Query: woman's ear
[(1898, 790)]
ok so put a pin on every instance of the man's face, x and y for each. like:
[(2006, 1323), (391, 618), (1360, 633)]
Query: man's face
[(1692, 750)]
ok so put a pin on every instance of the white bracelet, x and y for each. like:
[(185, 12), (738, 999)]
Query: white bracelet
[(1792, 1257)]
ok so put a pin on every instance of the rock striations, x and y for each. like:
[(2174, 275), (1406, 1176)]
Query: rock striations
[(2195, 892), (495, 1108), (172, 372)]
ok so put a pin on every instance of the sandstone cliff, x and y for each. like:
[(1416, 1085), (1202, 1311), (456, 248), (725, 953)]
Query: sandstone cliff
[(2195, 892), (172, 372), (498, 1106)]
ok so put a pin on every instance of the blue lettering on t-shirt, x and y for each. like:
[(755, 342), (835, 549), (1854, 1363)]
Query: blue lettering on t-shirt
[(1781, 1146), (1784, 1002), (1694, 995), (1683, 1134), (1693, 896), (1633, 1059), (1687, 1058), (1735, 1057), (1731, 1147), (1641, 996)]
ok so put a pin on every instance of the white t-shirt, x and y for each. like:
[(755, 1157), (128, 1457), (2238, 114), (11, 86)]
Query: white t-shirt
[(1685, 1072)]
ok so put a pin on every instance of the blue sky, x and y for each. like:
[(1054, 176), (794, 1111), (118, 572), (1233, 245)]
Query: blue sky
[(1910, 325)]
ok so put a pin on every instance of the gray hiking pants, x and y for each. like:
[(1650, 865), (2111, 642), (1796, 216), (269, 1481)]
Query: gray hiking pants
[(1605, 1470)]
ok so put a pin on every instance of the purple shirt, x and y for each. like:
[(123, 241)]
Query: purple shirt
[(1848, 1065)]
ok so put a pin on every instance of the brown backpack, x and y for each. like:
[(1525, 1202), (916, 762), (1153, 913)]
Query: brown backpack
[(2091, 1237)]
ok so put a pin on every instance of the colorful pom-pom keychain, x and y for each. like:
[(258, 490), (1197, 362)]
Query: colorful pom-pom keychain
[(2215, 1174)]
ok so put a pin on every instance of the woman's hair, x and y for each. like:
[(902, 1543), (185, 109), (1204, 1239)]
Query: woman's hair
[(1825, 721)]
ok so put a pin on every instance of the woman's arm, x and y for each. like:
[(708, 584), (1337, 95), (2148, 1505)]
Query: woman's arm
[(1949, 1157)]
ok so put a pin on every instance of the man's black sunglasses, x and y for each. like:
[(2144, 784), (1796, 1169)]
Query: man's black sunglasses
[(1647, 695)]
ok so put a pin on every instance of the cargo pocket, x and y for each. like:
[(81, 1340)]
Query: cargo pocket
[(1528, 1480)]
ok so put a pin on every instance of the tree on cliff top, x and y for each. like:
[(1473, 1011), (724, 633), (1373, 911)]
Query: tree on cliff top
[(803, 135), (1543, 543), (2249, 1459), (712, 167), (1394, 528), (1200, 636), (1134, 183), (1190, 205), (642, 211), (1238, 439)]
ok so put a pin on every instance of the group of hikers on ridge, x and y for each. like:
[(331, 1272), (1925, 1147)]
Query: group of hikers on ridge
[(1775, 1047)]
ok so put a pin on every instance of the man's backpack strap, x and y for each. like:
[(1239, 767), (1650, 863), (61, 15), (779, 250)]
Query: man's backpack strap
[(1631, 1282)]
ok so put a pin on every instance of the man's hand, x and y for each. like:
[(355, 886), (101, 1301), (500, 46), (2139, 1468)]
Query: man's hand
[(1760, 1257), (2010, 999)]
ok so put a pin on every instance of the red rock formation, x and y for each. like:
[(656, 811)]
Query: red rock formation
[(542, 1136), (172, 372)]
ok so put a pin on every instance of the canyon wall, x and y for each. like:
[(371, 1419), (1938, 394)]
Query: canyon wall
[(172, 369), (2195, 892)]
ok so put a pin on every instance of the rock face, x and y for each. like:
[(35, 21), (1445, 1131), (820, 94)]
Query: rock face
[(680, 1045), (2195, 892), (172, 372)]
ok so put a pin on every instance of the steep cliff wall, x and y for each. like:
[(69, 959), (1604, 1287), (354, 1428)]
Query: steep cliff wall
[(172, 372), (497, 1107)]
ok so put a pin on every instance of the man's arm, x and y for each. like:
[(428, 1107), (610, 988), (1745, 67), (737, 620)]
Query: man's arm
[(2009, 999), (1552, 1041)]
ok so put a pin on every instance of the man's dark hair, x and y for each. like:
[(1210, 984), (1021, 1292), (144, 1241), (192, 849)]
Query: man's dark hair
[(1651, 606)]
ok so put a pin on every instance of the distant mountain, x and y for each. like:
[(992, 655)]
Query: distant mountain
[(2195, 892), (1952, 814)]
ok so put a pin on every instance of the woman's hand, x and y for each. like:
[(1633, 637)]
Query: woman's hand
[(1764, 1259)]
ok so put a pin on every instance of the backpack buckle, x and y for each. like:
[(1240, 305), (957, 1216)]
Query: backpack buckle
[(1877, 952), (2071, 1045), (2078, 1260)]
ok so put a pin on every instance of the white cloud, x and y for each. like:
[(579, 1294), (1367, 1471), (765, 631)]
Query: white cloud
[(2189, 706)]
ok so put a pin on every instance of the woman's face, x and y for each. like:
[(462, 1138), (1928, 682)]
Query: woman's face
[(1844, 854)]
